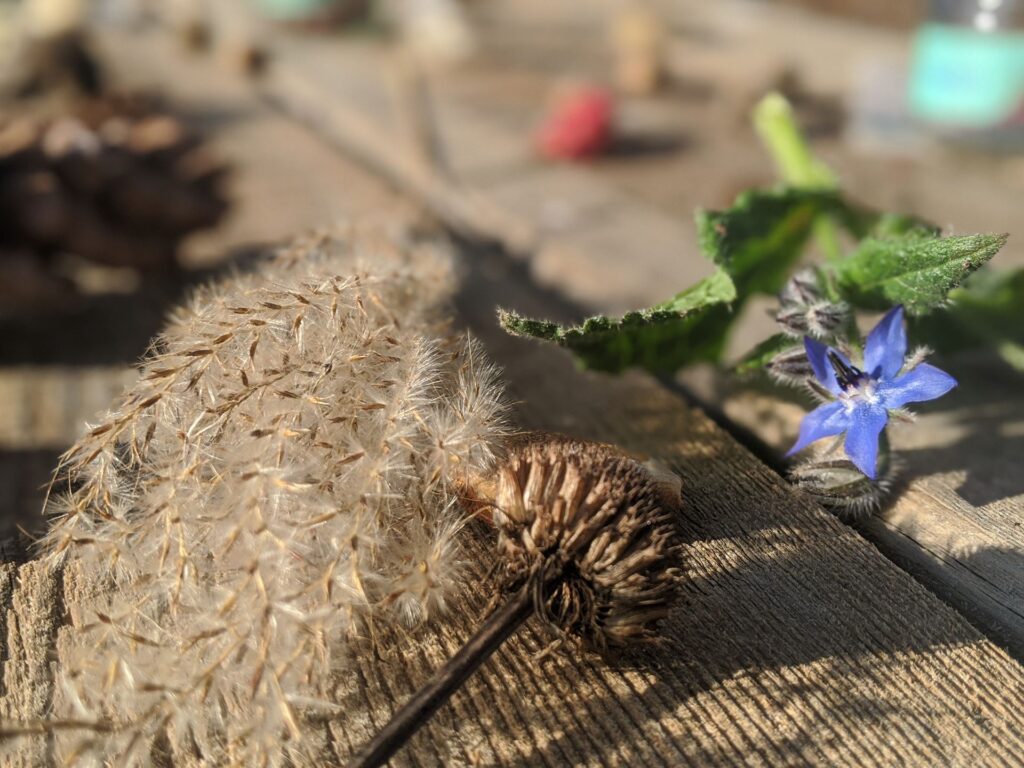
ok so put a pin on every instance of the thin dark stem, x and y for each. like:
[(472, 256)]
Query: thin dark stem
[(436, 691)]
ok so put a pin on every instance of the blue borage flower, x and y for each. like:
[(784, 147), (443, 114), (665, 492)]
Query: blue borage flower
[(865, 397)]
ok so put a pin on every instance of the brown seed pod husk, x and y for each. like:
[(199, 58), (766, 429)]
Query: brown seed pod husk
[(590, 529), (585, 541)]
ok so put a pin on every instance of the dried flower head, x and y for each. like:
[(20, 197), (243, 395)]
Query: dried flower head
[(279, 477), (585, 542), (591, 529)]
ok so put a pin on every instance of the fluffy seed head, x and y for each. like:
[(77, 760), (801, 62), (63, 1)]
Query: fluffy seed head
[(601, 519)]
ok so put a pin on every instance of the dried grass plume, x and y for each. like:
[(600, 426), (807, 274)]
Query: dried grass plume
[(277, 482)]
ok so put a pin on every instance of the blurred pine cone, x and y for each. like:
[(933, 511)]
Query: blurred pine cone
[(118, 183)]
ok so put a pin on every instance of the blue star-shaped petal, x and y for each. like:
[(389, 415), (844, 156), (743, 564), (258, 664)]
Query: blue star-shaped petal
[(865, 397)]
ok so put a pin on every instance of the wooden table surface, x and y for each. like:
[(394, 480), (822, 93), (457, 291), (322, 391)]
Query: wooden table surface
[(795, 641)]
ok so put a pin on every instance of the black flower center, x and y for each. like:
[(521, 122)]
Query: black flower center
[(847, 375)]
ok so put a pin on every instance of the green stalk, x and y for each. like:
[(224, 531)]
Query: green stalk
[(776, 125)]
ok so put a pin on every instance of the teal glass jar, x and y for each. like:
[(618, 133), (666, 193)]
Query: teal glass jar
[(967, 72)]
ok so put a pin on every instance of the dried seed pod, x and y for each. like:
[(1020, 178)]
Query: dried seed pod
[(586, 543), (117, 182), (594, 525)]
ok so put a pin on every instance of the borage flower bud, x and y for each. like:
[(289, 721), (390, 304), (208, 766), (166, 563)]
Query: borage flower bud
[(819, 320), (839, 486), (802, 289), (805, 311), (790, 366)]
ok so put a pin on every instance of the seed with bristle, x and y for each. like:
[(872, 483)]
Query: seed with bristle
[(267, 491)]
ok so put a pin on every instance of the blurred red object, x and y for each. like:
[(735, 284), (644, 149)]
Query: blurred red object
[(579, 126)]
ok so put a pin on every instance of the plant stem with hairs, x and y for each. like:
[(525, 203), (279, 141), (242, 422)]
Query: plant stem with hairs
[(776, 125)]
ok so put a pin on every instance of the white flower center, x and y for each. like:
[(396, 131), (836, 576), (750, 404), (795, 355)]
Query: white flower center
[(863, 390)]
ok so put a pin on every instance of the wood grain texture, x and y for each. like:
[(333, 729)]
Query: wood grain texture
[(956, 518)]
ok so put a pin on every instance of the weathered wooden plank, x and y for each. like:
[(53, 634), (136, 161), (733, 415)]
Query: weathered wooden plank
[(33, 615), (956, 521)]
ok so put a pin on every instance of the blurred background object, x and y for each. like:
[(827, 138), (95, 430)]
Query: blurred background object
[(436, 31), (968, 68), (579, 124), (116, 182), (313, 13), (902, 14), (638, 37), (48, 51)]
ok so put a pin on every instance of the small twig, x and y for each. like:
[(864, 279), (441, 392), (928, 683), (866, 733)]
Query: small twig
[(429, 698)]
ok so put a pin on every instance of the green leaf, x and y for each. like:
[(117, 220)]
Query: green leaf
[(755, 243), (897, 224), (914, 269), (865, 223), (987, 311), (716, 289), (756, 359), (1012, 353), (759, 239), (690, 327)]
